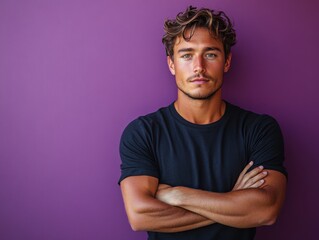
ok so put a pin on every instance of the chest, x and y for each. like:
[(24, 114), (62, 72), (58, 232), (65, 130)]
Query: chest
[(210, 160)]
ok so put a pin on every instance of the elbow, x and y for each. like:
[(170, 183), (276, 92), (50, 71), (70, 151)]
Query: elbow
[(138, 224), (137, 221), (135, 224), (269, 219), (272, 217), (136, 227), (270, 213)]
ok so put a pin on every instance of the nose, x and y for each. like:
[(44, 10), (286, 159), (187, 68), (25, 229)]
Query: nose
[(199, 64)]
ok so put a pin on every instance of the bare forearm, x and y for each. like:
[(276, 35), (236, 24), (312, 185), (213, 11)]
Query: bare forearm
[(146, 213), (241, 208), (153, 215)]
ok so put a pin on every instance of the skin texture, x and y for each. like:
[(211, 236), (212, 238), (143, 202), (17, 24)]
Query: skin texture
[(257, 206), (199, 66), (147, 213)]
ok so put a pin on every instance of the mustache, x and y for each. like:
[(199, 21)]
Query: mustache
[(195, 76)]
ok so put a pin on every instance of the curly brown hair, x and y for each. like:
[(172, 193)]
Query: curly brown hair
[(216, 22)]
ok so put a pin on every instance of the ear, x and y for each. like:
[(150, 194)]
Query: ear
[(227, 63), (171, 65)]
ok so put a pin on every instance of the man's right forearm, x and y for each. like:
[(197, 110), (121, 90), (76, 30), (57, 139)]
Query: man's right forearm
[(156, 216), (146, 213)]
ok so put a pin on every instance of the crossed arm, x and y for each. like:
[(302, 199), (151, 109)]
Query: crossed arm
[(255, 200)]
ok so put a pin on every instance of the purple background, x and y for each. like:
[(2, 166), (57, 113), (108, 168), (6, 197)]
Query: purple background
[(73, 73)]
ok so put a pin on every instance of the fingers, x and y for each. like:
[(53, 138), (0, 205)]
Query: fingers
[(249, 177), (240, 183), (245, 169), (256, 181), (252, 179), (257, 184)]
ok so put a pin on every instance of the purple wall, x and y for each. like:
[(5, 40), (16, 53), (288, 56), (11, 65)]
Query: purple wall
[(73, 73)]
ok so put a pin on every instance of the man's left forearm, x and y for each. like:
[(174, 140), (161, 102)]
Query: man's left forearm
[(243, 208)]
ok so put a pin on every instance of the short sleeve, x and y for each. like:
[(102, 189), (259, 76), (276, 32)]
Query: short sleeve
[(267, 145), (136, 151)]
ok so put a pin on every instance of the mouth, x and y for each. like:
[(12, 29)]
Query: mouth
[(199, 80)]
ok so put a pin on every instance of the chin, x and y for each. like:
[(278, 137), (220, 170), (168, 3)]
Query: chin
[(201, 96)]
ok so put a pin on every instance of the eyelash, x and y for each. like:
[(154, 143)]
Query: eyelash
[(187, 56), (212, 55)]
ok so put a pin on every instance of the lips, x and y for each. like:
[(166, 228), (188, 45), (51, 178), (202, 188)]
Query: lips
[(199, 80)]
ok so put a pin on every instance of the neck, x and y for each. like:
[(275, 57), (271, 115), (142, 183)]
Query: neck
[(201, 111)]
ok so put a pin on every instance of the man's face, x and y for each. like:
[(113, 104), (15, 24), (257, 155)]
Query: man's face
[(199, 65)]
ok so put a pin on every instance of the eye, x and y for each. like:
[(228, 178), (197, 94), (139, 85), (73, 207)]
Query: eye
[(210, 55), (186, 56)]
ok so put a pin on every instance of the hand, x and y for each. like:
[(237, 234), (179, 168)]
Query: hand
[(167, 194), (252, 179)]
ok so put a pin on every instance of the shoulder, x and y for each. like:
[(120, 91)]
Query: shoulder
[(250, 119), (263, 139), (145, 125), (256, 128)]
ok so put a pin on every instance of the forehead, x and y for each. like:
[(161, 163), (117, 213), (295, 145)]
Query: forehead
[(201, 39)]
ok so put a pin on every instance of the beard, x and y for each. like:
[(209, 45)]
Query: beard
[(201, 96)]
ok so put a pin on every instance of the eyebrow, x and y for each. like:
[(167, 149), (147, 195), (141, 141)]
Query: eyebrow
[(205, 49)]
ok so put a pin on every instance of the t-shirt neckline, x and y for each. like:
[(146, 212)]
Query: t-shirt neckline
[(182, 120)]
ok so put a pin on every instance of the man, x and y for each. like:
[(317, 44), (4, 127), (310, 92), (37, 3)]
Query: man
[(201, 168)]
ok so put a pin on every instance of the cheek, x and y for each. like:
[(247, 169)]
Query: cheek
[(216, 69), (183, 67), (180, 77), (180, 73)]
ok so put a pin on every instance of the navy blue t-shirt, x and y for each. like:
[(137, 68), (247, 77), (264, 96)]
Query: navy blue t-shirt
[(208, 157)]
